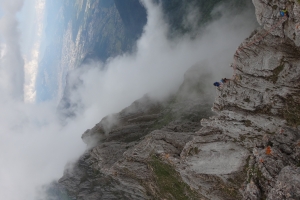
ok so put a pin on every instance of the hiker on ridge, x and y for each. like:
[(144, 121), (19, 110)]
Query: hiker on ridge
[(284, 12)]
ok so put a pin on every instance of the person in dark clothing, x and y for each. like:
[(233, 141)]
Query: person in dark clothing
[(217, 84), (224, 80), (284, 12)]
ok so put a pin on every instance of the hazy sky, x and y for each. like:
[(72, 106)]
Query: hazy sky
[(34, 147), (21, 32)]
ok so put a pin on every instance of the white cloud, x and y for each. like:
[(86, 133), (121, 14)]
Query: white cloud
[(32, 60), (2, 50), (11, 63), (159, 64), (34, 148)]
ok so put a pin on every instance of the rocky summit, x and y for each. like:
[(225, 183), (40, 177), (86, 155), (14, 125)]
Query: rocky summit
[(248, 148)]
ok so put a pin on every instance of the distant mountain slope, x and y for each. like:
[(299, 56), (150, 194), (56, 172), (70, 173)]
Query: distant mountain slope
[(77, 31), (133, 15), (176, 12), (117, 37), (176, 118)]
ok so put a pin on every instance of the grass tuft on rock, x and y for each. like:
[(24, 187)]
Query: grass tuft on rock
[(169, 182), (247, 123), (292, 111), (276, 72), (163, 121), (247, 100)]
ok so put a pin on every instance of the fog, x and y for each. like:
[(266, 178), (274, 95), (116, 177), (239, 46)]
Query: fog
[(34, 147), (11, 70), (159, 64)]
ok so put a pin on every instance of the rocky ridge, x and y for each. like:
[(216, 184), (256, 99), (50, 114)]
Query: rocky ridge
[(250, 150), (125, 147)]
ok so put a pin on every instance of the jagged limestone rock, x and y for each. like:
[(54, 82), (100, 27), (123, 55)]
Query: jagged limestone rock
[(128, 151), (268, 15), (287, 185), (250, 150), (252, 192)]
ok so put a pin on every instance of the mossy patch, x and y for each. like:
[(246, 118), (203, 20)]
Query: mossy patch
[(255, 173), (193, 151), (133, 138), (257, 176), (166, 115), (247, 123), (169, 182), (231, 192), (200, 112), (242, 137), (259, 129), (276, 72), (265, 110), (230, 189), (163, 121), (292, 112), (247, 100)]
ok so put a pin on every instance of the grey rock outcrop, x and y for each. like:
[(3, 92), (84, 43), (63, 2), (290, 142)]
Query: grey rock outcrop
[(287, 184), (128, 150), (250, 150), (268, 15)]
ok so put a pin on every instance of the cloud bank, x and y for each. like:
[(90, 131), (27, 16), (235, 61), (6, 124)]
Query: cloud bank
[(34, 147), (31, 60), (158, 65), (11, 63)]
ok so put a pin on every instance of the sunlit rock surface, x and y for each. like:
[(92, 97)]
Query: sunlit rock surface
[(249, 150), (217, 158)]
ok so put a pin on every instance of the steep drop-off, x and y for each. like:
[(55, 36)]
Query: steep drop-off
[(119, 163), (249, 150)]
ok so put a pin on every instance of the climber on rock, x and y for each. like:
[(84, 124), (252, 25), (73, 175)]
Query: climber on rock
[(224, 80), (221, 83), (284, 12), (217, 84)]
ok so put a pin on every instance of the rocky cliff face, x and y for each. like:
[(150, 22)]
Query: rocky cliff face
[(249, 150), (124, 160), (259, 110)]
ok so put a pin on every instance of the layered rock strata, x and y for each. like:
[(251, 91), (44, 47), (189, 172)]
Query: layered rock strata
[(250, 150), (130, 153)]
